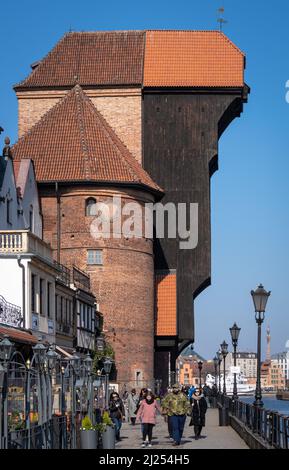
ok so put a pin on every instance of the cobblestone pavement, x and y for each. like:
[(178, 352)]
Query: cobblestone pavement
[(213, 436)]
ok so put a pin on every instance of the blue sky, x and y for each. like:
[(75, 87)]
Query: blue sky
[(250, 193)]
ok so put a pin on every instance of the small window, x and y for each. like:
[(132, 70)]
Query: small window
[(31, 218), (33, 292), (48, 299), (9, 220), (41, 297), (90, 206), (94, 257)]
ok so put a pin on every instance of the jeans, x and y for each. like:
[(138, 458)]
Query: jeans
[(178, 424), (147, 431), (170, 426), (117, 425)]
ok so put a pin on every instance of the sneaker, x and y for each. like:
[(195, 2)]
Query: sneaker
[(143, 444), (149, 444)]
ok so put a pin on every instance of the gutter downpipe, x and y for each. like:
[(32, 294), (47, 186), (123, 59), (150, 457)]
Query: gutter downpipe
[(23, 289), (58, 221)]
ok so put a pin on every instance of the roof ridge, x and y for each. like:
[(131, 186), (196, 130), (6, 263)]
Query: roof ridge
[(49, 53), (80, 121)]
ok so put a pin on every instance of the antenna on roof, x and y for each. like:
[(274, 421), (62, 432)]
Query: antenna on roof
[(221, 20)]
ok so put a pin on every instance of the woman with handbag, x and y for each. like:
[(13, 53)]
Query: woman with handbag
[(199, 409)]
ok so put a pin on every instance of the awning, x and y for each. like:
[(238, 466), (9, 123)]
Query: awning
[(64, 352), (18, 335)]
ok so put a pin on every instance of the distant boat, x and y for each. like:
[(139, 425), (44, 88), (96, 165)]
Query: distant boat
[(243, 388), (283, 395)]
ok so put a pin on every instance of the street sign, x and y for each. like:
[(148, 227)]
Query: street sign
[(235, 370)]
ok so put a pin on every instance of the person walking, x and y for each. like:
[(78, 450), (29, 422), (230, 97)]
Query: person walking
[(176, 406), (147, 415), (199, 409), (132, 403), (116, 412)]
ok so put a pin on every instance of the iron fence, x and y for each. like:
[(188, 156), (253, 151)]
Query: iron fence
[(51, 435), (271, 426)]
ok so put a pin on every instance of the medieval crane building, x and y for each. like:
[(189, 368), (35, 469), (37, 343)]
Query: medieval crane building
[(137, 114)]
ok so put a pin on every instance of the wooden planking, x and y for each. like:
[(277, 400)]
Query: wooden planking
[(180, 149)]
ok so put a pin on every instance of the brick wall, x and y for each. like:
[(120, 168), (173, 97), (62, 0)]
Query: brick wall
[(123, 286), (121, 108)]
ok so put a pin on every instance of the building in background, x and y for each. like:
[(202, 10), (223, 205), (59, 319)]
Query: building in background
[(282, 359), (246, 361)]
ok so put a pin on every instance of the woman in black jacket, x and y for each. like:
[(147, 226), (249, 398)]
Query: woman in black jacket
[(199, 409), (116, 412)]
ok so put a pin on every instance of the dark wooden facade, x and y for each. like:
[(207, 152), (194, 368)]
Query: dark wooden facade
[(181, 130)]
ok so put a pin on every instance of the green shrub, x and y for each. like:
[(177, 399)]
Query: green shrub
[(86, 424), (106, 419)]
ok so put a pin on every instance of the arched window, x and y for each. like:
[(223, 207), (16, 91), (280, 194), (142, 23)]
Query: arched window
[(90, 206)]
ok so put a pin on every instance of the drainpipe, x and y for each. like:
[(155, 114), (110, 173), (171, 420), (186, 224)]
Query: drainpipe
[(23, 289), (58, 221)]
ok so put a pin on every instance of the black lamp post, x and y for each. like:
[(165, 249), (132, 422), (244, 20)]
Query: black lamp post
[(216, 363), (260, 298), (200, 366), (235, 331), (224, 352), (219, 356), (107, 364), (88, 362)]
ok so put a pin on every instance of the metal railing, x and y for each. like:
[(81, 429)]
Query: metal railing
[(50, 435), (271, 426), (80, 279), (10, 314)]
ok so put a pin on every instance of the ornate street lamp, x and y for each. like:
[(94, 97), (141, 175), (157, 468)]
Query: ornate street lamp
[(260, 298), (200, 366), (40, 353), (219, 356), (224, 352), (88, 363), (51, 359), (107, 365), (6, 349), (235, 331)]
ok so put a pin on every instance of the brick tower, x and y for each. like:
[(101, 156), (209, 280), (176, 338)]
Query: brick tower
[(80, 162)]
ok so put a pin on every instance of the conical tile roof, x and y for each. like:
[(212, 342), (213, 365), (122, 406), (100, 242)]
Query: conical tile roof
[(73, 142)]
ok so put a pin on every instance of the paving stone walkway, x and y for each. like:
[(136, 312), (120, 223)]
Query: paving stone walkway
[(213, 436)]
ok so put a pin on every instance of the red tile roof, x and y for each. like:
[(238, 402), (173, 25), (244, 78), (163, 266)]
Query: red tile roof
[(192, 59), (73, 142), (148, 58), (91, 58), (18, 335), (166, 304)]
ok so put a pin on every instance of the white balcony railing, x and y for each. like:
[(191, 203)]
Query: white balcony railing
[(23, 241)]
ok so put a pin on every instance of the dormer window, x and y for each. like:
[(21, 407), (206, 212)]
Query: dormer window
[(90, 206)]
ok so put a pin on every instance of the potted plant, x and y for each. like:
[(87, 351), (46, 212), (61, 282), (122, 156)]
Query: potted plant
[(108, 433), (16, 424), (88, 434)]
